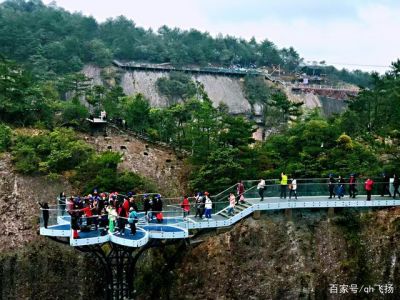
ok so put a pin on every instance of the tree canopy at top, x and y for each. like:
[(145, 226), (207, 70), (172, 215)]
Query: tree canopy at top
[(51, 40)]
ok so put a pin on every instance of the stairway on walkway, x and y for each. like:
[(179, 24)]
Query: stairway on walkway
[(238, 208)]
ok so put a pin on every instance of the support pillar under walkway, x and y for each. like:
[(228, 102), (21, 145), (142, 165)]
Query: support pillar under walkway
[(119, 264)]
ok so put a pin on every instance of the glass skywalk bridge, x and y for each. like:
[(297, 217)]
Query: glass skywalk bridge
[(311, 193)]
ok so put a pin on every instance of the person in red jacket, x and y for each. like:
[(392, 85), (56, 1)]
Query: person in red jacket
[(185, 206), (240, 191), (369, 184), (87, 211), (352, 186), (126, 206)]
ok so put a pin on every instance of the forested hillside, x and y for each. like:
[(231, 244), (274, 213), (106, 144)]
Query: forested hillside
[(363, 140), (50, 40)]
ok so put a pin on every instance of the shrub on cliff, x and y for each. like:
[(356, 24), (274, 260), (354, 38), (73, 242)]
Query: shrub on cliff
[(52, 152), (5, 137)]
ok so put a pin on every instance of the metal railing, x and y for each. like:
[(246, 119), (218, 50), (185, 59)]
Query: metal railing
[(175, 215)]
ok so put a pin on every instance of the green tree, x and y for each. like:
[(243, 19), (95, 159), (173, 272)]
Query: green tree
[(73, 112), (136, 112), (221, 169), (22, 101), (256, 90), (5, 137), (178, 86)]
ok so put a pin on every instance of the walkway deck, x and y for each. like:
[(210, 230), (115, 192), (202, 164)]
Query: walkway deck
[(179, 228), (193, 70)]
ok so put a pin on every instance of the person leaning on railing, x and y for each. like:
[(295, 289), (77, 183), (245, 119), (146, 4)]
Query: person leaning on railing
[(293, 188)]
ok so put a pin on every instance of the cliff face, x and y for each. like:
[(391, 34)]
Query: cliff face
[(161, 165), (220, 89), (273, 258), (19, 211)]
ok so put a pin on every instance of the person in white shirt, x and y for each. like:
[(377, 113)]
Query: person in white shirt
[(232, 203), (208, 206), (261, 188), (293, 188)]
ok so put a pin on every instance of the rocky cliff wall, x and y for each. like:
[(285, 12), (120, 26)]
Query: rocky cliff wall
[(161, 165), (219, 88), (228, 90), (273, 258), (19, 211)]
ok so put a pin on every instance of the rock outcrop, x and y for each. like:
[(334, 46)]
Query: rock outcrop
[(159, 164), (19, 210), (273, 258)]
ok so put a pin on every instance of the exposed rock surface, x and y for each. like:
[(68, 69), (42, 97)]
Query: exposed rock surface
[(228, 90), (161, 165), (277, 259), (219, 88), (19, 211)]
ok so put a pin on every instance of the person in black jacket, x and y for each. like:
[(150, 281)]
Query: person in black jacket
[(331, 186), (157, 208), (45, 212), (385, 185), (203, 204), (146, 206)]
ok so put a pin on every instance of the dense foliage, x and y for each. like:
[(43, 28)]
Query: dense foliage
[(61, 151), (365, 139), (277, 107), (315, 148), (52, 152), (5, 137), (22, 101), (177, 86), (220, 145), (52, 41)]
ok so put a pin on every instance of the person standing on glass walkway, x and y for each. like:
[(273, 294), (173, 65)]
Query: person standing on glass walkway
[(261, 189), (284, 181), (331, 186), (240, 192), (208, 206), (352, 186), (369, 184), (293, 188), (232, 203), (132, 220), (396, 184)]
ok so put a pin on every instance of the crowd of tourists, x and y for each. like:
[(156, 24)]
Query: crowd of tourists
[(110, 211)]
